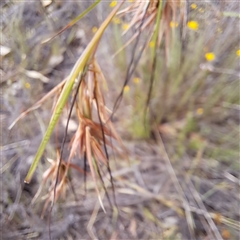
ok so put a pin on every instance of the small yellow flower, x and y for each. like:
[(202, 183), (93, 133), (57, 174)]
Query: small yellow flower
[(94, 29), (173, 24), (151, 44), (193, 25), (116, 20), (226, 234), (131, 0), (193, 6), (27, 85), (113, 4), (199, 111), (126, 89), (125, 26), (238, 52), (210, 56), (136, 80)]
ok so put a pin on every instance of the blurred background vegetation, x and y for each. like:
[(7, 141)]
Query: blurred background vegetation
[(182, 178)]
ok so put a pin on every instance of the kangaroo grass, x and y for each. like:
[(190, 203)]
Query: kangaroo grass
[(76, 71), (159, 14), (87, 138), (85, 78)]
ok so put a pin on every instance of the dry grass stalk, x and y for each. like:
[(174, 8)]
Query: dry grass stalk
[(89, 140)]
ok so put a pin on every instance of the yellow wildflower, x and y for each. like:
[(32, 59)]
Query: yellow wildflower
[(94, 29), (126, 88), (151, 44), (226, 234), (27, 85), (116, 20), (210, 56), (193, 25), (199, 111), (173, 24), (238, 52), (113, 4), (193, 5), (136, 80), (125, 26)]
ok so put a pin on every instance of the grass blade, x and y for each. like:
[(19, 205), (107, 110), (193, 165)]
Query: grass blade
[(77, 70), (75, 20)]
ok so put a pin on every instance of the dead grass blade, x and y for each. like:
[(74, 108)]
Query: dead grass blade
[(39, 103), (178, 187), (91, 164), (206, 215)]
